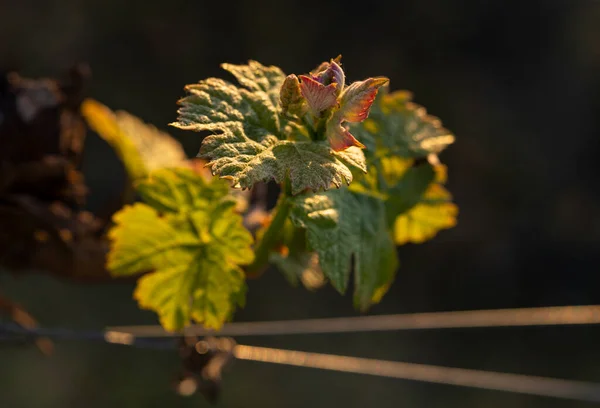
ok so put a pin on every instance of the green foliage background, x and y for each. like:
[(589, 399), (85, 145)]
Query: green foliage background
[(518, 82)]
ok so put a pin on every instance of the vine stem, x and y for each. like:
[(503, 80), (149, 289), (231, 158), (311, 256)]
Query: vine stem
[(271, 235)]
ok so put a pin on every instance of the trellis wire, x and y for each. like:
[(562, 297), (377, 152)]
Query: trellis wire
[(489, 380), (545, 316), (156, 338)]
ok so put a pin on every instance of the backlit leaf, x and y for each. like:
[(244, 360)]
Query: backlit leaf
[(342, 224), (180, 190), (357, 99), (397, 132), (252, 140), (331, 73), (434, 213), (309, 165), (140, 146), (360, 223), (190, 240), (417, 206), (259, 78), (398, 126), (398, 182), (318, 96), (355, 103)]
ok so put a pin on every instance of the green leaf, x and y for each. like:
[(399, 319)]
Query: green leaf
[(417, 205), (180, 190), (400, 127), (377, 262), (358, 223), (141, 147), (218, 106), (398, 182), (393, 201), (309, 165), (408, 190), (434, 213), (294, 261), (258, 78), (192, 241), (342, 224), (252, 140)]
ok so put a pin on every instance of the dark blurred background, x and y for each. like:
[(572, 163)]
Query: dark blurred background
[(517, 82)]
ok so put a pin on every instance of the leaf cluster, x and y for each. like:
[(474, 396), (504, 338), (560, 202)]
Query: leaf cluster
[(308, 133)]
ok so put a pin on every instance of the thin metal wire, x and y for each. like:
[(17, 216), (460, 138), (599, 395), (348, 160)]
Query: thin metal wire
[(516, 383), (546, 316), (11, 332), (549, 387)]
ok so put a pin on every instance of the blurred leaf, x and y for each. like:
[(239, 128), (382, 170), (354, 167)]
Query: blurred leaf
[(341, 224), (397, 132), (190, 237), (406, 190), (434, 213), (398, 126), (140, 146), (180, 190), (249, 143), (417, 205), (294, 260), (301, 266), (398, 182), (24, 319)]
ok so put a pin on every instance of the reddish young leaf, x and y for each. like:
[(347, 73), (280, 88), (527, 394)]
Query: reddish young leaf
[(358, 98), (319, 97), (339, 137), (333, 73)]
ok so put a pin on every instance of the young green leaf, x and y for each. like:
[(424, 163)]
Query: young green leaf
[(358, 223), (140, 146), (434, 212), (400, 127), (309, 165), (258, 78), (180, 190), (251, 142), (391, 202), (417, 206), (218, 106), (191, 239), (397, 132), (341, 224), (396, 181)]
